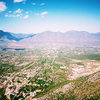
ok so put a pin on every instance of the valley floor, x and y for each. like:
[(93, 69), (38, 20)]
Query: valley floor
[(50, 73)]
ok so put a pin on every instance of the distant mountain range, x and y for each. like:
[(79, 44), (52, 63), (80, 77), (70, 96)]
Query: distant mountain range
[(14, 36), (48, 38), (21, 36), (70, 38), (7, 35)]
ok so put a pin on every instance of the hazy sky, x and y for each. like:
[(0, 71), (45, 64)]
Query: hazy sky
[(32, 16)]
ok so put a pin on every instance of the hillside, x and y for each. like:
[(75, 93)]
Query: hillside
[(7, 38), (85, 88), (7, 35), (70, 38), (21, 36)]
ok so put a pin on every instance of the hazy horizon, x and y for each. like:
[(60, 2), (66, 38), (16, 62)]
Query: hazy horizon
[(52, 31)]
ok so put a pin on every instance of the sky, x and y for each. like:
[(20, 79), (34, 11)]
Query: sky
[(34, 16)]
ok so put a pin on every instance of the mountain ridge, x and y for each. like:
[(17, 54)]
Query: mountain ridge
[(14, 36), (75, 38), (49, 38)]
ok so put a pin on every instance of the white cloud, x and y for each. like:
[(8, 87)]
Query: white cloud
[(41, 14), (12, 15), (26, 16), (19, 1), (42, 4), (2, 6), (18, 11), (26, 12), (33, 4), (44, 13), (18, 15), (10, 11), (6, 15)]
